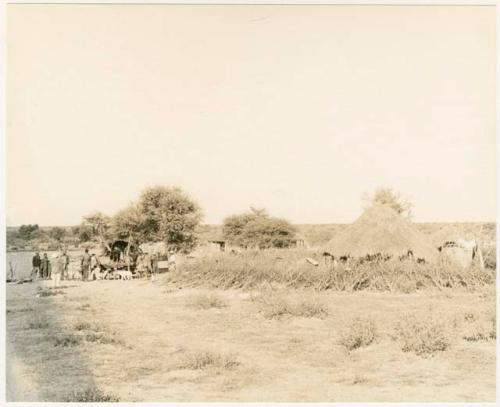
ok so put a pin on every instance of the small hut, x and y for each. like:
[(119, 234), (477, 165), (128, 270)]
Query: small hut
[(381, 230), (458, 245)]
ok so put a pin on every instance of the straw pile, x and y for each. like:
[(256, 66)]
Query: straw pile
[(381, 230)]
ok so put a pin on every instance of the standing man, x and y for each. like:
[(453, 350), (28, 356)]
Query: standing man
[(65, 256), (172, 265), (44, 268), (57, 269), (94, 267), (85, 265), (36, 262)]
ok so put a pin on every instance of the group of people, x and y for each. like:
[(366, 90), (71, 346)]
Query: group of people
[(42, 266), (57, 267)]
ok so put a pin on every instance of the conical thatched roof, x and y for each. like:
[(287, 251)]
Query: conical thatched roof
[(381, 230)]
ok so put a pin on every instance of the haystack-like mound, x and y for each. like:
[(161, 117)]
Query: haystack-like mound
[(381, 230)]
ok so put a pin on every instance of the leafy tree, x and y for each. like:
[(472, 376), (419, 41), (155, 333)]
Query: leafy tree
[(257, 229), (165, 214), (57, 233), (28, 232), (394, 199)]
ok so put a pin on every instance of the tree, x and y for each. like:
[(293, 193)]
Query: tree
[(257, 229), (165, 214), (28, 232), (389, 197), (57, 233)]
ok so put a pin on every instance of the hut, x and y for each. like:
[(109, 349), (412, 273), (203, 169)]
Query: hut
[(381, 230), (459, 245)]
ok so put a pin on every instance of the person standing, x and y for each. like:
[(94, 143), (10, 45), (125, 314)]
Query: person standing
[(57, 269), (44, 267), (65, 256), (36, 262), (94, 267), (85, 265), (172, 265)]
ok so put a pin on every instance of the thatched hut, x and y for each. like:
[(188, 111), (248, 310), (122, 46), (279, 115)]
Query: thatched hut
[(381, 230)]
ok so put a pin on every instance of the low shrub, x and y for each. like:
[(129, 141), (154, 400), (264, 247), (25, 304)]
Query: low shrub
[(91, 395), (206, 301), (67, 340), (280, 304), (102, 338), (38, 323), (423, 336), (208, 360), (359, 333)]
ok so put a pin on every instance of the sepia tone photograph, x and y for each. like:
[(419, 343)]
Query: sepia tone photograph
[(250, 203)]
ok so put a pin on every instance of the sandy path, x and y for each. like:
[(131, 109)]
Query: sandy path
[(19, 383)]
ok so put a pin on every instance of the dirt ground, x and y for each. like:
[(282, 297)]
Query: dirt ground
[(142, 341)]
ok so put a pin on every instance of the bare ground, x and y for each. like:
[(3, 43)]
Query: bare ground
[(141, 339)]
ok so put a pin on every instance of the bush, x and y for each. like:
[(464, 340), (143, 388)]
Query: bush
[(208, 360), (38, 323), (67, 340), (360, 332), (423, 336), (206, 301), (257, 229), (277, 305), (91, 395), (102, 338)]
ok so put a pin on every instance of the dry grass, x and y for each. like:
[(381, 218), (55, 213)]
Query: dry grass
[(38, 323), (359, 333), (201, 360), (288, 268), (276, 304), (206, 301), (422, 335), (91, 395)]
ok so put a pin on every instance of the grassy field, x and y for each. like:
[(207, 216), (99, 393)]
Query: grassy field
[(162, 341)]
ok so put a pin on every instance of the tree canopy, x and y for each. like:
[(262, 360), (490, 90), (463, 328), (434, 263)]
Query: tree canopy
[(392, 198), (257, 229)]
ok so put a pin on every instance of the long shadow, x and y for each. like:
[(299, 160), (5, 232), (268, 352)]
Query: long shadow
[(39, 339)]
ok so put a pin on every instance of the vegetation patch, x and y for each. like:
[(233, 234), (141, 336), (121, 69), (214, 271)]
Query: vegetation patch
[(38, 323), (49, 293), (359, 333), (208, 360), (91, 395), (278, 305), (67, 340), (424, 336), (206, 301)]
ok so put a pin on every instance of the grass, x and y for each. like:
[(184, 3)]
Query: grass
[(38, 323), (422, 335), (206, 301), (288, 268), (91, 395), (67, 340), (275, 304), (201, 360), (474, 328), (49, 293), (359, 333)]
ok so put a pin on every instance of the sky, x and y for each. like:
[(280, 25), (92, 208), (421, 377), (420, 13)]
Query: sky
[(297, 109)]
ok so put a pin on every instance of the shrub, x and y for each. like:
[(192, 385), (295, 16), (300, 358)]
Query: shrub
[(82, 326), (423, 336), (277, 305), (67, 340), (102, 338), (208, 360), (206, 301), (49, 293), (38, 324), (91, 395), (359, 333)]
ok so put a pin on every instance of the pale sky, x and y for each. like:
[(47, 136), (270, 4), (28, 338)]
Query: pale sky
[(298, 109)]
